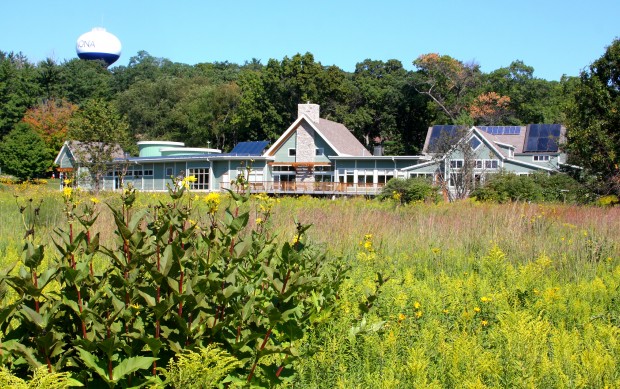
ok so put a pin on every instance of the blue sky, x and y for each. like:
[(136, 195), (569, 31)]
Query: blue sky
[(554, 37)]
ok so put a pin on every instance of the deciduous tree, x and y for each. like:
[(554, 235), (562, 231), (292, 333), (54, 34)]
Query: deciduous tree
[(594, 118), (100, 129)]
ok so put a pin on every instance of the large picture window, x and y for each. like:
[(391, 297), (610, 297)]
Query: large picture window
[(202, 178)]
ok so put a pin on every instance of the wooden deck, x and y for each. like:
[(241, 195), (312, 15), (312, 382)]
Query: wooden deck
[(314, 188)]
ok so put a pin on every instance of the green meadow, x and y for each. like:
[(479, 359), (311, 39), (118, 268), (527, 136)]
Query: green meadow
[(465, 294)]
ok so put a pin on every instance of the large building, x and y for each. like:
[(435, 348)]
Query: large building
[(319, 156)]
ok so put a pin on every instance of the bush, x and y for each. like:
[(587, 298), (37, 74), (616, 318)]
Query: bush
[(505, 187), (538, 187), (409, 190)]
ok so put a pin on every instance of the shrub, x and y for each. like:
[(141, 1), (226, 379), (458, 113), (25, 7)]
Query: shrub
[(503, 187), (409, 190), (171, 285)]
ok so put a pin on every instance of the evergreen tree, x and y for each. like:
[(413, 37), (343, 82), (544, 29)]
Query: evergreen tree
[(23, 153)]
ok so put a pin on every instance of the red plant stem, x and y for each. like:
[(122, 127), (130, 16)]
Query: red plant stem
[(90, 265), (262, 346), (49, 363), (181, 291), (79, 296), (110, 370), (35, 282), (279, 371), (288, 275)]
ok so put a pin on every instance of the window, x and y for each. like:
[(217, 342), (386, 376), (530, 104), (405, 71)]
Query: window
[(319, 151), (426, 176), (456, 164), (384, 176), (292, 152), (148, 172), (169, 172), (364, 177), (478, 164), (491, 164), (323, 168), (283, 168), (541, 158), (202, 178), (474, 142)]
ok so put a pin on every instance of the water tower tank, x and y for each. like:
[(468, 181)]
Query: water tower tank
[(98, 44)]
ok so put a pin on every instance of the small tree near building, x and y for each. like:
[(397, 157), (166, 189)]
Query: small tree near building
[(98, 133)]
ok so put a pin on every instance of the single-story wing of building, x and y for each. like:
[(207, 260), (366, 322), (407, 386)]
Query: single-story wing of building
[(319, 156)]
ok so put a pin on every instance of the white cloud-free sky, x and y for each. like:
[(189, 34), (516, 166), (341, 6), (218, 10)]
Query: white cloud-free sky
[(555, 37)]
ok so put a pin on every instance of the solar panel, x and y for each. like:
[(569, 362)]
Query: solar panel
[(501, 130), (443, 136), (250, 148), (542, 137)]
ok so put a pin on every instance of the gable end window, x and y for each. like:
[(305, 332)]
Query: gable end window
[(541, 158), (319, 151), (292, 152), (474, 142)]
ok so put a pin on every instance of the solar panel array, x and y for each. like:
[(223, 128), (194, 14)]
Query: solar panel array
[(542, 137), (501, 130), (250, 148), (442, 135)]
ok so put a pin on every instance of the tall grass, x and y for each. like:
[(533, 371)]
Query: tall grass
[(477, 295)]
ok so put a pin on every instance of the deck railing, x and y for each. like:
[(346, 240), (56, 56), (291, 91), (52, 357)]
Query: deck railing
[(312, 188)]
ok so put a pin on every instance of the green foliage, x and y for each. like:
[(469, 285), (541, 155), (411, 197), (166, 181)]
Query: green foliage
[(507, 186), (409, 190), (592, 137), (201, 370), (170, 285), (41, 379), (18, 89), (23, 153)]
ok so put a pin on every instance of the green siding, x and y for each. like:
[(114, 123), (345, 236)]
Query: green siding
[(281, 154)]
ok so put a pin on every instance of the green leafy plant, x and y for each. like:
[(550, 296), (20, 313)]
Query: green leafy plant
[(170, 286)]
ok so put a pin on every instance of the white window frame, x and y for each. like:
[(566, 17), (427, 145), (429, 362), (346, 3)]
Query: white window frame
[(541, 158), (456, 163), (202, 178)]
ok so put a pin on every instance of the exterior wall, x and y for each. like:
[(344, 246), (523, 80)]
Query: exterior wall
[(327, 150), (219, 174), (551, 163), (281, 154), (66, 161)]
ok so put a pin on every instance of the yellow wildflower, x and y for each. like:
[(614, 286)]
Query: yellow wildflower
[(485, 299), (94, 200), (67, 191), (436, 250), (477, 309), (401, 317), (416, 305), (213, 201), (418, 314), (484, 323), (258, 220)]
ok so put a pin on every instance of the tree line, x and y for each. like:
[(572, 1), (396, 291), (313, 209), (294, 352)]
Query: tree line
[(219, 104)]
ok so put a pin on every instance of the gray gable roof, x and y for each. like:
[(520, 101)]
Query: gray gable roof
[(341, 138)]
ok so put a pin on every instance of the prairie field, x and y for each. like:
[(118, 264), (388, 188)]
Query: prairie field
[(466, 294)]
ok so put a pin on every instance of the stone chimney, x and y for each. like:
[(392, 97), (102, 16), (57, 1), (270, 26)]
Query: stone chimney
[(310, 110)]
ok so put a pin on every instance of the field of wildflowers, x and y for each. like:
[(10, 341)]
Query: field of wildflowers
[(438, 295)]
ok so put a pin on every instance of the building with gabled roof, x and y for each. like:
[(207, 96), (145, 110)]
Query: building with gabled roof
[(319, 156)]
